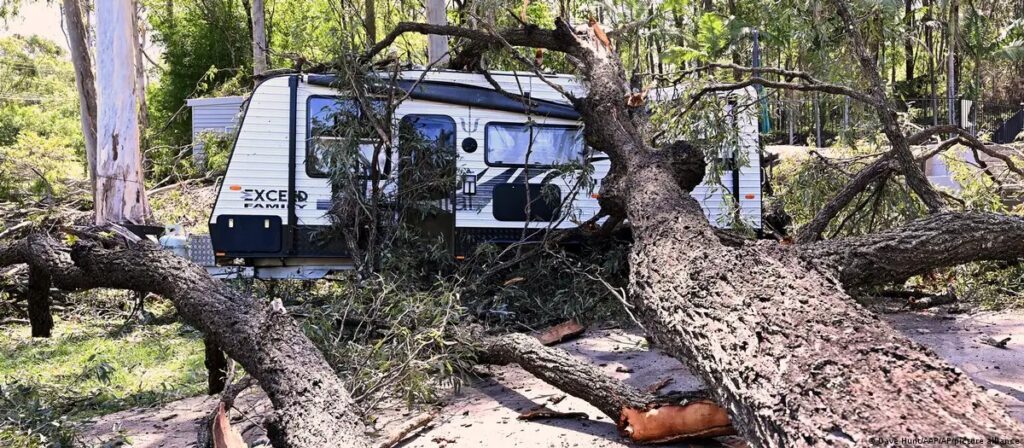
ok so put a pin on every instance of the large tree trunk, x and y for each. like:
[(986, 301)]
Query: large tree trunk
[(120, 191), (794, 360), (85, 82), (952, 42), (370, 22), (259, 38), (908, 41), (311, 405), (139, 33)]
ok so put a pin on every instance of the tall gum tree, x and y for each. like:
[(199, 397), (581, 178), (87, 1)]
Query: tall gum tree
[(120, 188), (85, 80)]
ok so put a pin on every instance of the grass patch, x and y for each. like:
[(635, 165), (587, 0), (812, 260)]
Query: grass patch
[(88, 369)]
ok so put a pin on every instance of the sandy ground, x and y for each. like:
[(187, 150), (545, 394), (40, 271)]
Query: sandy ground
[(485, 413)]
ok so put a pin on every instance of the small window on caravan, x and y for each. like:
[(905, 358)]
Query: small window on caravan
[(515, 144), (332, 123)]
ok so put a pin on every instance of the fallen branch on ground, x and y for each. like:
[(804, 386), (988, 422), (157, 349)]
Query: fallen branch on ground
[(311, 406), (399, 434), (641, 416), (936, 241)]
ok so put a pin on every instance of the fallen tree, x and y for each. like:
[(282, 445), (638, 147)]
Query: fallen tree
[(311, 406), (779, 344)]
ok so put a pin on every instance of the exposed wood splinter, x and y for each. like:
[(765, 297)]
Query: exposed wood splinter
[(224, 435), (560, 333), (670, 423)]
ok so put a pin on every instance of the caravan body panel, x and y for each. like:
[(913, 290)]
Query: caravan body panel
[(253, 200)]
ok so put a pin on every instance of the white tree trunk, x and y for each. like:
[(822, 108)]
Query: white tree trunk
[(259, 38), (437, 46), (120, 191), (85, 80)]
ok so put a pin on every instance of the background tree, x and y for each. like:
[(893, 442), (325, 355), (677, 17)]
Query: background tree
[(259, 38), (120, 180), (85, 82)]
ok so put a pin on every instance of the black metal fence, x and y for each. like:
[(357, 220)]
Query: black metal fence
[(812, 118)]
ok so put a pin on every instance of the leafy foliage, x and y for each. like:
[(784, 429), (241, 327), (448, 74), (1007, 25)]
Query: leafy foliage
[(89, 368), (206, 51), (41, 147)]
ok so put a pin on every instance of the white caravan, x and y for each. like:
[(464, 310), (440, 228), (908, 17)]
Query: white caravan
[(282, 130)]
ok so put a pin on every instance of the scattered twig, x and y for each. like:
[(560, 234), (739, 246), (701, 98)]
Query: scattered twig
[(544, 412), (655, 387), (15, 228), (989, 340), (399, 434)]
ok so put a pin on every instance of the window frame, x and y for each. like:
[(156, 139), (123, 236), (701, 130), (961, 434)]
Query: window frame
[(309, 132), (487, 161)]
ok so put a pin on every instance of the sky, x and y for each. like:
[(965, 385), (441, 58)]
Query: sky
[(37, 17), (44, 18)]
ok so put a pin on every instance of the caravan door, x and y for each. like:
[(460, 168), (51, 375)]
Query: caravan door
[(426, 147)]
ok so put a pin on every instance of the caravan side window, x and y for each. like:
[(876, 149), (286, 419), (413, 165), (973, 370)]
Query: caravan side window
[(515, 144), (331, 123)]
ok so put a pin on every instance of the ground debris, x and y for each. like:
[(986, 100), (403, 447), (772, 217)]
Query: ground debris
[(560, 333), (402, 432), (989, 340), (655, 387), (543, 412)]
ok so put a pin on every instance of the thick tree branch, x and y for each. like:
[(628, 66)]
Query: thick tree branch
[(885, 165), (861, 181), (312, 408), (966, 139), (641, 416), (936, 241), (801, 87), (552, 39)]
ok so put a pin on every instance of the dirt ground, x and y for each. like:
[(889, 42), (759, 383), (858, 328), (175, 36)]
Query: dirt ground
[(484, 414)]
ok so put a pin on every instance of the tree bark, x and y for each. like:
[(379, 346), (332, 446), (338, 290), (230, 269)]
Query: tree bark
[(139, 34), (952, 42), (311, 406), (120, 188), (437, 45), (936, 241), (812, 231), (85, 82), (216, 367), (930, 44), (908, 41), (259, 38), (786, 351), (38, 296), (370, 22)]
